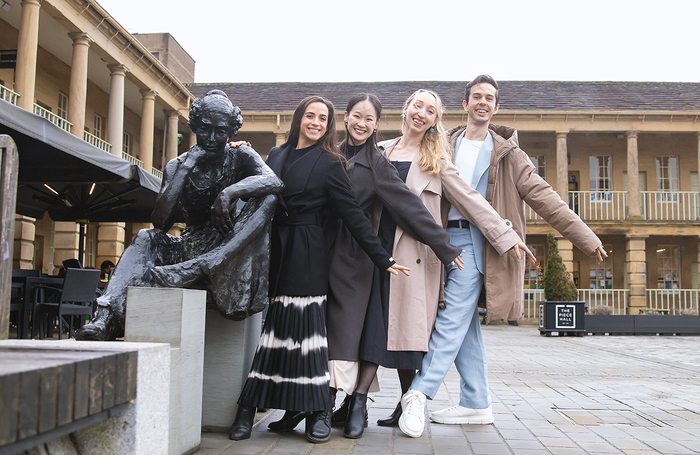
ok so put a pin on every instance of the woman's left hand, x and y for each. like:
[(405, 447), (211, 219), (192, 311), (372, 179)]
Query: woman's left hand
[(396, 268), (521, 246), (600, 251)]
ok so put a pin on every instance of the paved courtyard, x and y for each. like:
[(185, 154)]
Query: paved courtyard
[(559, 395)]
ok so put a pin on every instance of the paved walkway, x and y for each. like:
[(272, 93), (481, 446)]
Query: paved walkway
[(558, 395)]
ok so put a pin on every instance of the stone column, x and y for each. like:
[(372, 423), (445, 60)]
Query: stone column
[(27, 49), (23, 252), (176, 230), (147, 128), (280, 138), (136, 227), (171, 135), (78, 82), (566, 250), (115, 119), (65, 242), (562, 167), (110, 242), (636, 272), (193, 139), (633, 195)]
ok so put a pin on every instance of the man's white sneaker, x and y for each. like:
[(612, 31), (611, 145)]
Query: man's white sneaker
[(458, 415), (412, 420)]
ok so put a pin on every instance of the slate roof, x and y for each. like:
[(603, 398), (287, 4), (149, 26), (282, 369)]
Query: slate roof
[(515, 95)]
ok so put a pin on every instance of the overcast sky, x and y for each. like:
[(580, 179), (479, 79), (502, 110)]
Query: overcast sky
[(396, 40)]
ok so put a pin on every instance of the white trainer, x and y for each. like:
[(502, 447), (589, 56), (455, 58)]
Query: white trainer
[(412, 420), (459, 415)]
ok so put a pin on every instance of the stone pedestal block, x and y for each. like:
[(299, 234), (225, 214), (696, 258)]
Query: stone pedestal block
[(176, 317), (228, 353)]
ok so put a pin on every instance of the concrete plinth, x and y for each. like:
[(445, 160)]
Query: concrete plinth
[(176, 317), (228, 352)]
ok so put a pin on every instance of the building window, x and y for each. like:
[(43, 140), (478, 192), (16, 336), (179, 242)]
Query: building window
[(97, 130), (667, 178), (601, 274), (126, 144), (534, 273), (539, 163), (62, 106), (668, 265), (601, 178)]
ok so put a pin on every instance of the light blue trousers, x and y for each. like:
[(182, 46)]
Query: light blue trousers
[(457, 336)]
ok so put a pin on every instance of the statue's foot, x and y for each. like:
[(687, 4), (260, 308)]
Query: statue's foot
[(104, 327), (181, 275)]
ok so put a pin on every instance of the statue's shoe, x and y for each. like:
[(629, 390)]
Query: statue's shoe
[(104, 327)]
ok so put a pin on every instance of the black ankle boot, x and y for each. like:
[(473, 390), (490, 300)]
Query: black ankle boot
[(393, 419), (340, 415), (289, 422), (318, 426), (355, 425), (243, 425)]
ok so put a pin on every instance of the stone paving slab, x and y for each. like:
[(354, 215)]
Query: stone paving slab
[(631, 395)]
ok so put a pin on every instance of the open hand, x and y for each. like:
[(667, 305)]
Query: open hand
[(521, 246), (600, 251), (396, 268)]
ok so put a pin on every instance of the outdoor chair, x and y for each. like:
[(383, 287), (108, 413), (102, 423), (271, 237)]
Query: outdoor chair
[(17, 303), (74, 299)]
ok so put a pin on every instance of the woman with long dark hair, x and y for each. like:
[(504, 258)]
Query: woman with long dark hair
[(290, 367)]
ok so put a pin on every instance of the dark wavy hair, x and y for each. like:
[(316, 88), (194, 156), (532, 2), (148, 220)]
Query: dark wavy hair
[(358, 98), (216, 96), (329, 141), (480, 79)]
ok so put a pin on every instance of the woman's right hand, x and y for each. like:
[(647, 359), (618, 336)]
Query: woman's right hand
[(459, 262), (396, 268)]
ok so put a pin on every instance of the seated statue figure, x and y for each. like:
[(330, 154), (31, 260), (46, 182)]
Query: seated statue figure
[(219, 251)]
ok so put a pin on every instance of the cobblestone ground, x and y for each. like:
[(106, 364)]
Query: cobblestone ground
[(559, 395)]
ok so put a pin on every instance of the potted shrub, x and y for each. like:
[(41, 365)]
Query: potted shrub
[(561, 311)]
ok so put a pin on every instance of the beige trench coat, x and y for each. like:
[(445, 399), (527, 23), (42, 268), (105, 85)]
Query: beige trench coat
[(413, 301), (512, 180)]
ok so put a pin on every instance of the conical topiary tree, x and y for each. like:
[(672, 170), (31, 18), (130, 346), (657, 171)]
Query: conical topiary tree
[(558, 285)]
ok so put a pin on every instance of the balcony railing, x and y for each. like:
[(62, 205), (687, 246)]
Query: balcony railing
[(157, 172), (531, 215), (615, 298), (132, 159), (670, 205), (599, 205), (53, 118), (675, 301), (97, 142), (8, 95)]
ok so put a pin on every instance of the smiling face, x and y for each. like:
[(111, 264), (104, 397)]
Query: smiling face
[(481, 105), (313, 125), (213, 130), (362, 121), (421, 113)]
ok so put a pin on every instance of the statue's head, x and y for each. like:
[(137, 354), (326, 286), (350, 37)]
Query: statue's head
[(214, 119)]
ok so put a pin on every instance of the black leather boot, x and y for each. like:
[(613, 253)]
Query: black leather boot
[(243, 425), (393, 419), (289, 421), (318, 424), (355, 425), (340, 415)]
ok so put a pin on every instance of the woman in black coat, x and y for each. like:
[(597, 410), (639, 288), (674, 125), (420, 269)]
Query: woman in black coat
[(290, 367)]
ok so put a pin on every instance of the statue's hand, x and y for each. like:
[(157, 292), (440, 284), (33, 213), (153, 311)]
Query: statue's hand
[(221, 216), (235, 144)]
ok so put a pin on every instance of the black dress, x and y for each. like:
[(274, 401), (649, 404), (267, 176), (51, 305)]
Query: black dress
[(373, 345)]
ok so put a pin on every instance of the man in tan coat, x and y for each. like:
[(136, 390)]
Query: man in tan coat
[(490, 160)]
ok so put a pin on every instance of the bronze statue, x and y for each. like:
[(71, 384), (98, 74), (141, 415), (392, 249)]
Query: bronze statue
[(226, 254)]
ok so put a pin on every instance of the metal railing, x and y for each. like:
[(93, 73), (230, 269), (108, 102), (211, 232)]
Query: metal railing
[(599, 205), (614, 298), (531, 215), (53, 118), (670, 205), (8, 95), (531, 301), (97, 142), (157, 172), (132, 159), (675, 301)]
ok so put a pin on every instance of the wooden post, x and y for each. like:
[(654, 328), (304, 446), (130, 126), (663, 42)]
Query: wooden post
[(8, 192)]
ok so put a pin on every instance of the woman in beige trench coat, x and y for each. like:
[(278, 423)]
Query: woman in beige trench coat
[(397, 335)]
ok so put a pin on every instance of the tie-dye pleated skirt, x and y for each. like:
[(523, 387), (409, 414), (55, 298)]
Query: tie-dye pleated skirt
[(290, 367)]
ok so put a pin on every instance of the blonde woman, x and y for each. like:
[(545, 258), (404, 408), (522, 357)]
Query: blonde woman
[(396, 333)]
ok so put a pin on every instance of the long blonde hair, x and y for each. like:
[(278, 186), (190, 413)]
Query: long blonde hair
[(433, 146)]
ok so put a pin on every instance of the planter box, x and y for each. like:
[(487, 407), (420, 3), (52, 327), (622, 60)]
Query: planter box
[(566, 318), (599, 324)]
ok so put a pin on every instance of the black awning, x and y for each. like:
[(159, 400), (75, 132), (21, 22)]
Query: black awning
[(71, 179)]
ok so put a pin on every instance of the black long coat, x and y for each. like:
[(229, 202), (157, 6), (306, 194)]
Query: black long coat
[(316, 186), (373, 179)]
